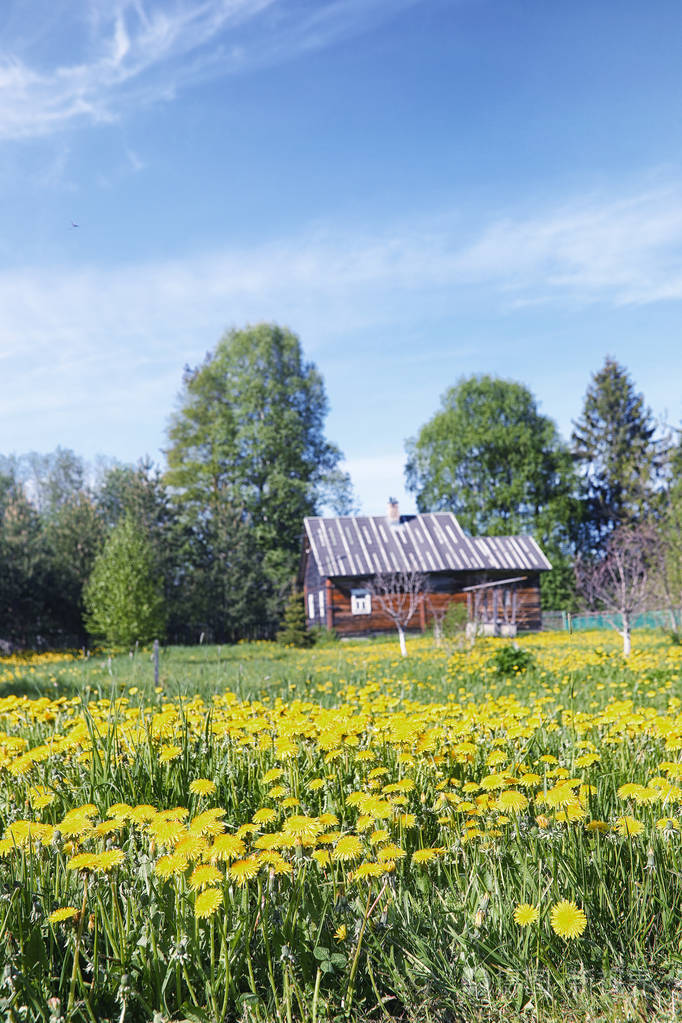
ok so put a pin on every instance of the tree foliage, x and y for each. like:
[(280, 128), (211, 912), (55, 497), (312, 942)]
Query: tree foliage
[(489, 456), (123, 597), (248, 438), (293, 631), (619, 458), (493, 459)]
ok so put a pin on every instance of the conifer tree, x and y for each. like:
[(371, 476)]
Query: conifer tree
[(617, 454), (293, 631)]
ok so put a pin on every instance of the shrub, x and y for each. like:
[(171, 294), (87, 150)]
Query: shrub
[(293, 631), (511, 659)]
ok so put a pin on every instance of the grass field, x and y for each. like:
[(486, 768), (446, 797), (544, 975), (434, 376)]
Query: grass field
[(341, 833)]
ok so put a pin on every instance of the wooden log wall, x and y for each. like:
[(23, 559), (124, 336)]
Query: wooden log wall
[(337, 613)]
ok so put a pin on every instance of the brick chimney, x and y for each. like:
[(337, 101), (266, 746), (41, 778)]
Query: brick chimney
[(393, 512)]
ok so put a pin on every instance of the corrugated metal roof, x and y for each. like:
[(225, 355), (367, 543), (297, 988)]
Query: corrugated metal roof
[(435, 542)]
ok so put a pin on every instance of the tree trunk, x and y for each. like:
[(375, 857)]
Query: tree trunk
[(401, 637), (627, 640)]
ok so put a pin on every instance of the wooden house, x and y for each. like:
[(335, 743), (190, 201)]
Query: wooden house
[(496, 577)]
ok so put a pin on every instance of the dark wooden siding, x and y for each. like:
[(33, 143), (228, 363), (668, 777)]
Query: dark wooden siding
[(313, 585), (445, 588)]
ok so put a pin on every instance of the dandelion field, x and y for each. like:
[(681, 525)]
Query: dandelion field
[(341, 834)]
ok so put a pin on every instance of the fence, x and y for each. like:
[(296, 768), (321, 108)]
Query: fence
[(670, 618)]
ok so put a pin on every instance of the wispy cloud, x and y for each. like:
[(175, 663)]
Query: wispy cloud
[(107, 341), (107, 55), (616, 251), (625, 250)]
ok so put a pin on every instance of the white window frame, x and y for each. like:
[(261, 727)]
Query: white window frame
[(360, 602), (311, 605), (320, 602)]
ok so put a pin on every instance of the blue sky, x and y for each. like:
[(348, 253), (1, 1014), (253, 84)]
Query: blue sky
[(420, 189)]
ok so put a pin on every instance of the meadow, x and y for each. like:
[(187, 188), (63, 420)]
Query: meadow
[(343, 834)]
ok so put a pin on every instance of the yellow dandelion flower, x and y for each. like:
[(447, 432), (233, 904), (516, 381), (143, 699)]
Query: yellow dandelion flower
[(302, 827), (567, 920), (329, 838), (82, 861), (165, 832), (208, 822), (207, 903), (407, 820), (120, 810), (348, 848), (341, 932), (511, 801), (322, 857), (668, 824), (629, 826), (421, 856), (169, 752), (368, 870), (191, 847), (525, 914), (264, 816), (275, 862), (142, 814), (202, 787), (168, 866), (109, 859), (390, 852), (58, 916), (528, 780), (205, 875), (243, 871), (315, 784)]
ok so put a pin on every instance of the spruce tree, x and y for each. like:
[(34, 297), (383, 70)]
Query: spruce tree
[(293, 631), (617, 454)]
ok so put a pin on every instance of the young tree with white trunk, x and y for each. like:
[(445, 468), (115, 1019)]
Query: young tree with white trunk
[(623, 581), (399, 595)]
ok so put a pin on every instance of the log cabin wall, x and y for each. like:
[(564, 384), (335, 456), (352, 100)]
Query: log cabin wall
[(315, 590), (446, 589)]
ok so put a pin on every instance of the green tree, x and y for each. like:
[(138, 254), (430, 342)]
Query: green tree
[(493, 459), (293, 631), (123, 597), (619, 458), (671, 542), (74, 536), (141, 491), (24, 572), (248, 436)]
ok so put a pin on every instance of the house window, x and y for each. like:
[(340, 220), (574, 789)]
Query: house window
[(321, 602), (360, 602), (311, 605)]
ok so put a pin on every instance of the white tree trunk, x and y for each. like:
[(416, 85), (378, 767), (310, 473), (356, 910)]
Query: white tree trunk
[(627, 640), (401, 637)]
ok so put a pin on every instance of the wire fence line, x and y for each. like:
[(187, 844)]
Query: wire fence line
[(666, 618)]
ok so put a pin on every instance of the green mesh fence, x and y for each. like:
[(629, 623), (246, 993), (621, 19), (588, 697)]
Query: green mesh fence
[(666, 619)]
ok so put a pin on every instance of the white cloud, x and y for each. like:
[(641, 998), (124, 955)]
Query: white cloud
[(624, 251), (125, 53), (105, 347)]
